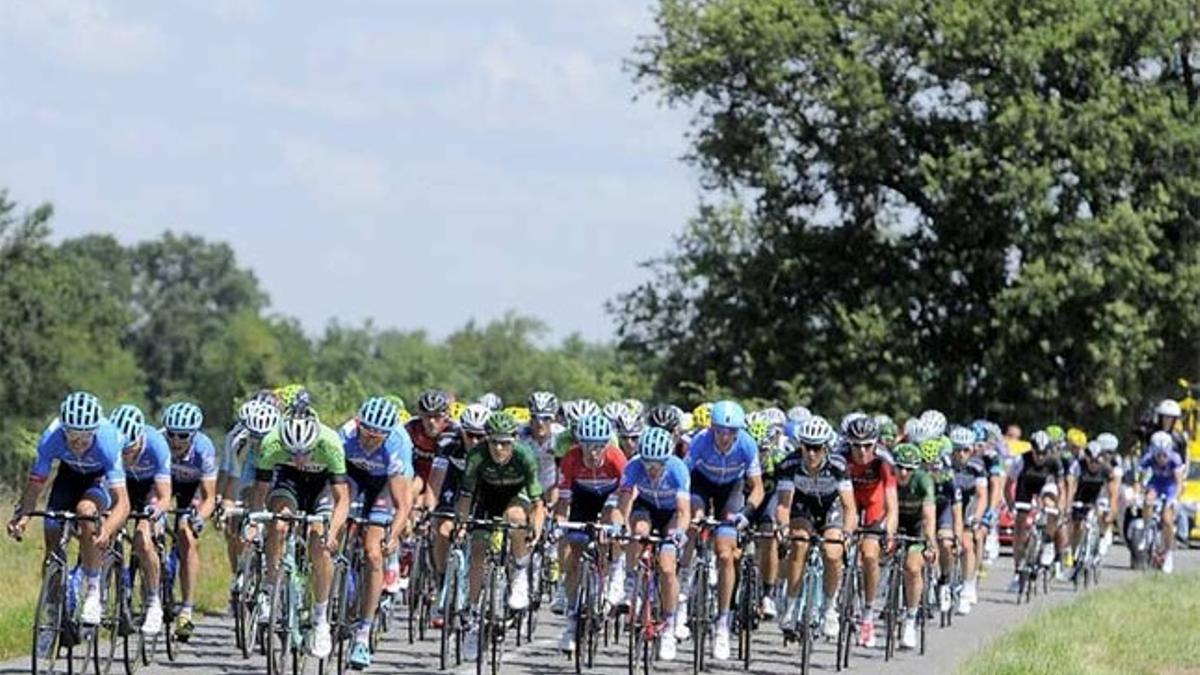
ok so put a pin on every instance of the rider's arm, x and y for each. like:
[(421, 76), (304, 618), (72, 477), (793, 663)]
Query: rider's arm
[(683, 512), (849, 510), (208, 492), (892, 503), (539, 517), (115, 519), (340, 492), (401, 488), (957, 514), (981, 486), (929, 522)]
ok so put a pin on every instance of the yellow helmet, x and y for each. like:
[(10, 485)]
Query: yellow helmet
[(287, 394), (1077, 437), (456, 409), (686, 422), (702, 416), (520, 413), (404, 416)]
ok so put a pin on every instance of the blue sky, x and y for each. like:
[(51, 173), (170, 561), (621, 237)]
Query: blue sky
[(416, 163)]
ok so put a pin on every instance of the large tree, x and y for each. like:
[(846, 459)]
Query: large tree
[(984, 206)]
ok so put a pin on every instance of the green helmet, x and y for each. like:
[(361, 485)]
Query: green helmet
[(907, 455), (931, 449), (502, 425), (760, 430), (888, 432), (1056, 434)]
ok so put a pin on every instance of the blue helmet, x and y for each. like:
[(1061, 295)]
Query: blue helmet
[(183, 416), (980, 429), (728, 414), (80, 410), (593, 429), (130, 422), (656, 444), (379, 414)]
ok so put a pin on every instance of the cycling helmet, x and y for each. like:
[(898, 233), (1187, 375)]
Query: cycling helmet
[(816, 431), (300, 404), (543, 404), (882, 420), (501, 426), (775, 416), (1108, 442), (1161, 442), (396, 401), (664, 417), (848, 419), (629, 425), (379, 414), (258, 417), (634, 406), (300, 433), (594, 429), (474, 418), (1168, 408), (492, 401), (760, 430), (269, 397), (130, 423), (287, 394), (1093, 449), (583, 407), (907, 455), (979, 429), (961, 437), (861, 429), (80, 410), (888, 432), (1056, 434), (934, 421), (433, 402), (799, 414), (614, 409), (702, 416), (520, 413), (931, 450), (916, 431), (183, 416), (1040, 441), (456, 409), (1077, 437), (728, 414), (686, 421), (656, 445)]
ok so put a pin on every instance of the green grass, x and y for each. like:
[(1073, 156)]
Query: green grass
[(21, 579), (1147, 626)]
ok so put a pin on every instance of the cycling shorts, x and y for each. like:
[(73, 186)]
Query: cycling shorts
[(815, 522), (70, 487), (304, 492), (725, 499)]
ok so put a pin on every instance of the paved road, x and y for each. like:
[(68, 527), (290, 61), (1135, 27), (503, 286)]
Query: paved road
[(211, 650)]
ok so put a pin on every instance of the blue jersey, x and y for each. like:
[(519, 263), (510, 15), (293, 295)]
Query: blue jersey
[(661, 494), (198, 463), (103, 456), (153, 461), (723, 468), (1162, 478), (392, 458)]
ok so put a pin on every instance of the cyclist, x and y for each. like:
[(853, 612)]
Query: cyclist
[(1091, 483), (771, 453), (917, 517), (935, 453), (379, 465), (147, 460), (669, 418), (815, 497), (971, 480), (1036, 475), (303, 467), (446, 478), (655, 498), (90, 481), (629, 428), (591, 473), (873, 475), (256, 418), (491, 401), (723, 460), (1109, 444), (541, 434), (571, 412), (425, 430), (1166, 414), (194, 485), (1163, 470), (501, 481)]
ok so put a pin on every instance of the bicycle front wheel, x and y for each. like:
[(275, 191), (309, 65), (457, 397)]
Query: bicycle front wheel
[(47, 621), (278, 632), (113, 630)]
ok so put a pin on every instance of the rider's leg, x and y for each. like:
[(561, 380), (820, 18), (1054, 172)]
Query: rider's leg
[(869, 559), (725, 548), (832, 552), (914, 579), (373, 575)]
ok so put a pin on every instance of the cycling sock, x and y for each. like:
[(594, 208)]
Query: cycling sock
[(522, 562), (910, 614), (364, 631), (724, 619), (186, 611), (869, 614), (768, 590), (92, 579), (152, 598), (319, 610)]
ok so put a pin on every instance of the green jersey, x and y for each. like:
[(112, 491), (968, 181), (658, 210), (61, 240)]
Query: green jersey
[(327, 456), (519, 472), (912, 499)]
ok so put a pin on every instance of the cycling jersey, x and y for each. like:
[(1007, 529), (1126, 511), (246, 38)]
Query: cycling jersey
[(871, 482), (101, 459), (546, 451), (424, 446), (723, 468), (590, 489), (971, 478), (198, 463), (452, 460), (239, 454), (1162, 477), (912, 499), (661, 494), (303, 478), (496, 486), (1090, 484), (369, 471), (1030, 476), (946, 497), (153, 460), (816, 495)]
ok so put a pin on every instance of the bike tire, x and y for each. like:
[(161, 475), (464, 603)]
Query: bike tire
[(247, 600), (806, 645), (133, 651), (48, 621), (167, 595), (583, 609), (890, 614), (112, 622), (277, 633), (699, 611), (449, 618)]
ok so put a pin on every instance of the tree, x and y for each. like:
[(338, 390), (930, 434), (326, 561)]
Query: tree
[(987, 207)]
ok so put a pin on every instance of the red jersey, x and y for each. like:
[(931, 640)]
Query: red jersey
[(871, 482), (424, 448), (600, 482)]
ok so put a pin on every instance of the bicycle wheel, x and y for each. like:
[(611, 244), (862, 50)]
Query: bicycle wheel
[(412, 599), (583, 617), (167, 595), (278, 634), (247, 603), (47, 622), (110, 636), (449, 615), (891, 609), (133, 651), (747, 609), (847, 616), (699, 615), (339, 604), (806, 642)]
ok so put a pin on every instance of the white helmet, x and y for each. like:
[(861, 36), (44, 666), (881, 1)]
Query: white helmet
[(799, 414), (474, 418), (300, 434), (1108, 442), (259, 417), (816, 431), (934, 421), (1161, 441), (1168, 407)]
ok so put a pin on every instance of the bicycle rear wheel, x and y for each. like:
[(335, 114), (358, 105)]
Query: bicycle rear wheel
[(47, 622), (247, 603)]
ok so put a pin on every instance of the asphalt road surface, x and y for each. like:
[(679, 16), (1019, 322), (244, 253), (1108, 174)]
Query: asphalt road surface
[(212, 650)]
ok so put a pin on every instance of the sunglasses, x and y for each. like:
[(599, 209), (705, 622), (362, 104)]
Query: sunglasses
[(433, 416), (80, 434), (653, 462), (180, 435), (906, 469), (475, 436), (963, 449), (368, 430), (813, 448), (863, 445), (594, 447)]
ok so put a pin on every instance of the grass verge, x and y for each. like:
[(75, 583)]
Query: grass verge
[(22, 578), (1145, 626)]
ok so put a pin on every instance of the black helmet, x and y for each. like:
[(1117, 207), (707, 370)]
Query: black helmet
[(543, 403), (862, 430), (433, 402), (664, 416)]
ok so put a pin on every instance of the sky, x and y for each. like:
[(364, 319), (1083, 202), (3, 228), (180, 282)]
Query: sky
[(418, 164)]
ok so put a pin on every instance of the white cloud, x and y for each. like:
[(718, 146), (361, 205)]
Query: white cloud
[(340, 105), (335, 178), (82, 32)]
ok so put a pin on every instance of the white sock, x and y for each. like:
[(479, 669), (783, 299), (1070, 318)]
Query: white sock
[(319, 610)]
